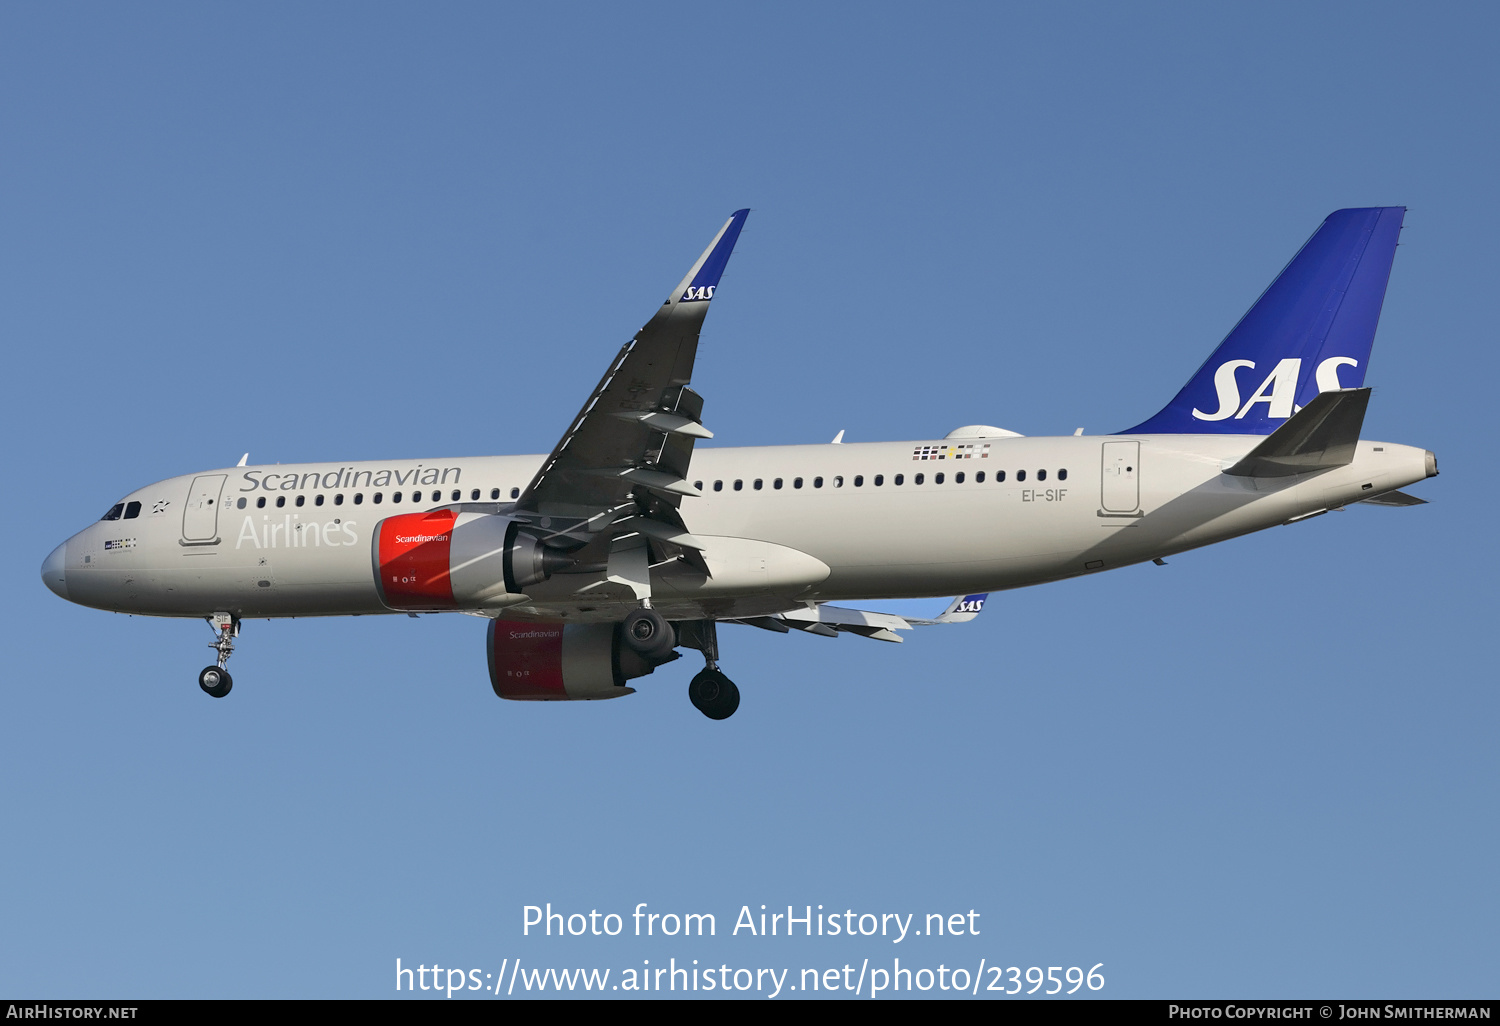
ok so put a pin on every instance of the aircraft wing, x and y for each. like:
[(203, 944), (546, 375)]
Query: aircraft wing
[(830, 621), (628, 449)]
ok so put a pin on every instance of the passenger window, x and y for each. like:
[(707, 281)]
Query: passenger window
[(318, 501), (698, 485), (859, 480), (377, 498), (1041, 475), (937, 478), (838, 481), (239, 503), (280, 501), (301, 499), (738, 484), (999, 476), (796, 482), (817, 483), (260, 503), (718, 486), (114, 512), (1020, 475), (133, 509), (359, 498), (958, 478), (879, 480), (395, 496), (777, 483), (758, 484), (338, 500), (457, 495), (900, 479), (437, 496), (515, 493), (494, 493), (918, 479), (1062, 475)]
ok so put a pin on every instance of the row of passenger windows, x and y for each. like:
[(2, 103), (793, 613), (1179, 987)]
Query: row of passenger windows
[(878, 480), (131, 510), (457, 495)]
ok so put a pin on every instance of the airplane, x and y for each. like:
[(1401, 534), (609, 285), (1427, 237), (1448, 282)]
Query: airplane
[(596, 562)]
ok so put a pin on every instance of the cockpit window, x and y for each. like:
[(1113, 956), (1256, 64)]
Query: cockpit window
[(132, 510), (114, 512)]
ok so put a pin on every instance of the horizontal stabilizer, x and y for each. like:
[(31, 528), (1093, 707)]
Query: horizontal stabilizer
[(1396, 498), (1320, 436)]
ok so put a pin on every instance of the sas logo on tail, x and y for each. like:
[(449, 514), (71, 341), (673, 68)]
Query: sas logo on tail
[(1278, 391), (971, 604), (695, 294)]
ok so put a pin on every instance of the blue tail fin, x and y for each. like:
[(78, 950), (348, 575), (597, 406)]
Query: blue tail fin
[(1310, 332)]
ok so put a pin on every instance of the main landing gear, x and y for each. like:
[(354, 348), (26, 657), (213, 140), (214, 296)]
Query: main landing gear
[(712, 693), (215, 680)]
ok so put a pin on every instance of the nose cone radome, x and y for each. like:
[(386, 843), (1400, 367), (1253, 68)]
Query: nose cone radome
[(55, 571)]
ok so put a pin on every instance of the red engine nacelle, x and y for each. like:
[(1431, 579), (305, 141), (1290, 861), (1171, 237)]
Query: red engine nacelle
[(449, 560), (554, 662)]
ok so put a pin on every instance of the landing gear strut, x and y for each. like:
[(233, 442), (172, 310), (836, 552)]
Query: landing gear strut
[(712, 693), (215, 680)]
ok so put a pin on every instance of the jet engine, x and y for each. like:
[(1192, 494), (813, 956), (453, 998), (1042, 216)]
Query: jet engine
[(554, 662), (449, 560)]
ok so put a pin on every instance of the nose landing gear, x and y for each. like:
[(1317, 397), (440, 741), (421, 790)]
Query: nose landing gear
[(215, 680)]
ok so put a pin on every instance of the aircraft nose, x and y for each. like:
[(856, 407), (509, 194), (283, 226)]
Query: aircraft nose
[(55, 572)]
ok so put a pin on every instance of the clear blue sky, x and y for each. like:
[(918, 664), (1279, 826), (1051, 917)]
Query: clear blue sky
[(356, 231)]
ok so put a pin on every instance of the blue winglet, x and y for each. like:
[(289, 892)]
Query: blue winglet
[(1310, 332), (702, 284)]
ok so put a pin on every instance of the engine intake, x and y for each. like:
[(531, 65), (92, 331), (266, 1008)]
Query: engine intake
[(554, 662), (448, 560)]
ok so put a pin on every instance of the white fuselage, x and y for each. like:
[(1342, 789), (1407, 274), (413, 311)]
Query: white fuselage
[(785, 524)]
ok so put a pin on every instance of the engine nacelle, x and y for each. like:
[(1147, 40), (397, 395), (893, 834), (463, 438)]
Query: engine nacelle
[(554, 662), (448, 560)]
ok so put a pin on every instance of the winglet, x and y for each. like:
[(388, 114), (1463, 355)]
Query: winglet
[(699, 284), (962, 609)]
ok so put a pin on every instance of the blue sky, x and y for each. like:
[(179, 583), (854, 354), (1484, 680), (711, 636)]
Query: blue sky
[(358, 231)]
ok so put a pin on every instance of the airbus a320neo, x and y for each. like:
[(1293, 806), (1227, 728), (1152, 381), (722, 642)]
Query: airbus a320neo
[(631, 539)]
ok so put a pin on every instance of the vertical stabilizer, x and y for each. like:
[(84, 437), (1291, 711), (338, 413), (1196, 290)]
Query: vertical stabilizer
[(1310, 332)]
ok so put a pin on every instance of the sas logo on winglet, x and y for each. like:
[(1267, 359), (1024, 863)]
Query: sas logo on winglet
[(971, 604), (703, 292), (1277, 391)]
